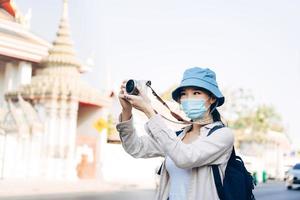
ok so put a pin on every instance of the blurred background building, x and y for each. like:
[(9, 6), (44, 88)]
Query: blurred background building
[(47, 111)]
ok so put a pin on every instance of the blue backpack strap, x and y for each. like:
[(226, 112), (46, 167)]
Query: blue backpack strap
[(159, 170), (213, 129), (218, 182), (215, 169), (178, 132)]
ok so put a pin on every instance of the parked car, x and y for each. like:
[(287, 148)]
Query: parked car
[(292, 178)]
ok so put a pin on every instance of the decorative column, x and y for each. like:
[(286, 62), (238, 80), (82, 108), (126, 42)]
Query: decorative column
[(24, 73), (72, 135), (45, 110), (63, 132), (40, 108), (10, 74), (17, 74), (2, 77), (50, 137)]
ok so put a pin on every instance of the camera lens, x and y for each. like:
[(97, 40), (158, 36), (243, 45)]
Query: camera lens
[(130, 86)]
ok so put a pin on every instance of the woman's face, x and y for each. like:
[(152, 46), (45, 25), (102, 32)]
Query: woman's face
[(196, 93)]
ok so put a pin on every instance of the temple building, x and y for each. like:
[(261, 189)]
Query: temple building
[(46, 110)]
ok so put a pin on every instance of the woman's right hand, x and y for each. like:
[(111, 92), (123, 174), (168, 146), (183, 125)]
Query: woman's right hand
[(126, 105)]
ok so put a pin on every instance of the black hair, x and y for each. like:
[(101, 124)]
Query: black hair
[(215, 113)]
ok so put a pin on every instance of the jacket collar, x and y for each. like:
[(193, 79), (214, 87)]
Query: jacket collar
[(206, 127), (211, 125)]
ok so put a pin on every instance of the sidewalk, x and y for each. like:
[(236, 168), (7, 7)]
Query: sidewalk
[(9, 188)]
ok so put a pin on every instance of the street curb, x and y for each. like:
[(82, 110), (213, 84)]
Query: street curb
[(17, 188)]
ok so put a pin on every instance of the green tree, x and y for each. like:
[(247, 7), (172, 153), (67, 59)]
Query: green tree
[(261, 119), (249, 119)]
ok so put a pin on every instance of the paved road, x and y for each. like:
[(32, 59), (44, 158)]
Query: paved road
[(271, 191), (276, 191)]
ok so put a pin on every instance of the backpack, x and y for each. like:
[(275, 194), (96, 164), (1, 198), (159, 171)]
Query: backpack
[(237, 183)]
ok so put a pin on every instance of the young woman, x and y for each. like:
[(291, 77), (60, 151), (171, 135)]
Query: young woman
[(186, 172)]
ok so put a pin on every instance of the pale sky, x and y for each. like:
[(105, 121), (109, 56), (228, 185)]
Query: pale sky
[(254, 44)]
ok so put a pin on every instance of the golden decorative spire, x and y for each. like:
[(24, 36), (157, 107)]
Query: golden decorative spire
[(62, 52), (65, 10), (60, 77)]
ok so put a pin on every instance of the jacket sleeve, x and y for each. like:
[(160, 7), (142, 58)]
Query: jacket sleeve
[(214, 149), (138, 146)]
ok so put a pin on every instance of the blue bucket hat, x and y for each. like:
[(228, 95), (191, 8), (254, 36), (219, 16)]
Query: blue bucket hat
[(199, 77)]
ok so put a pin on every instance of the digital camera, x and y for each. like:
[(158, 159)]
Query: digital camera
[(133, 85)]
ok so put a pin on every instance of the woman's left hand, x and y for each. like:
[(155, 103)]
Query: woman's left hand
[(141, 102)]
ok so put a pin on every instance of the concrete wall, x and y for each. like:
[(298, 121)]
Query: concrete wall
[(119, 167), (87, 116)]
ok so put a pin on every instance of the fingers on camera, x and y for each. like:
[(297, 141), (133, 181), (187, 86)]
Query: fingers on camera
[(126, 97)]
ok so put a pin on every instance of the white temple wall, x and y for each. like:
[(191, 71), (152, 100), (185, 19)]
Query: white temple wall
[(34, 165), (19, 154), (2, 72), (60, 140)]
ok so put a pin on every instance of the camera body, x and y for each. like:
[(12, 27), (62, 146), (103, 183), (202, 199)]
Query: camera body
[(133, 86)]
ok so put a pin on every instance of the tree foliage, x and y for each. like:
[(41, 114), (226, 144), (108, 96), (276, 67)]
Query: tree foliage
[(261, 119), (251, 120)]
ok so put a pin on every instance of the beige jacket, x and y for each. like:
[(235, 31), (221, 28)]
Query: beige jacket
[(198, 155)]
